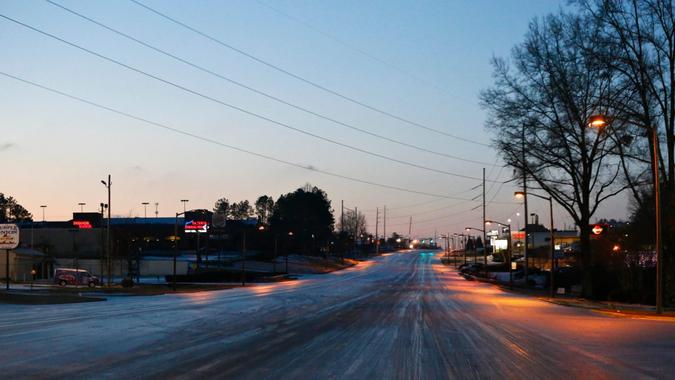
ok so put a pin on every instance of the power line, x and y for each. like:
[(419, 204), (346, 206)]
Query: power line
[(304, 80), (436, 218), (215, 142), (259, 92), (242, 110), (358, 50), (426, 212)]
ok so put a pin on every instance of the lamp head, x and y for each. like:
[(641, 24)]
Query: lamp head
[(597, 121)]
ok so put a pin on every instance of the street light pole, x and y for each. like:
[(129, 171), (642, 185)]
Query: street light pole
[(243, 260), (290, 233), (600, 121), (476, 249), (184, 202), (81, 204), (509, 246), (657, 211), (145, 211), (525, 256), (108, 247), (519, 194), (175, 248)]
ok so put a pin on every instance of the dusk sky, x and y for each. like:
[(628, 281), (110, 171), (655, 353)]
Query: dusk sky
[(425, 62)]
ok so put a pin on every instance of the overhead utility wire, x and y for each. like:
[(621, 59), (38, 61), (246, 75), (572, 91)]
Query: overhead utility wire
[(251, 113), (232, 147), (302, 79), (418, 204), (426, 212), (358, 50), (435, 219), (259, 92)]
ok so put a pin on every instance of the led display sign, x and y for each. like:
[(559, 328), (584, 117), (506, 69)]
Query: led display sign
[(82, 224), (195, 226)]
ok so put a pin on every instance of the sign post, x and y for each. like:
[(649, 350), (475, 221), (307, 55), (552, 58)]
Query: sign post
[(9, 239)]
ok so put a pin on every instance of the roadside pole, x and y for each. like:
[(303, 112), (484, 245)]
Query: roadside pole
[(377, 236), (243, 261), (274, 262), (9, 239), (7, 268)]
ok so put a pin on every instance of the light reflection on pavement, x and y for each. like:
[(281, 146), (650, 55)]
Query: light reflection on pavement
[(402, 315)]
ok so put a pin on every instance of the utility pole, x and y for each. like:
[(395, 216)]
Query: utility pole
[(384, 225), (342, 217), (356, 225), (483, 228), (377, 236), (410, 230), (156, 210), (524, 204)]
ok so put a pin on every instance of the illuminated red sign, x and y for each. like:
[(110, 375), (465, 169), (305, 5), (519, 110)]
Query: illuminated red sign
[(82, 224), (194, 226), (518, 235), (598, 229)]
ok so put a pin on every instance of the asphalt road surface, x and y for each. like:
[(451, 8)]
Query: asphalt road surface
[(401, 316)]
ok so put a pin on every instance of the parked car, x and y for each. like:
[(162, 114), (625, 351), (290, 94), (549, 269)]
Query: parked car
[(472, 269), (70, 276), (535, 278)]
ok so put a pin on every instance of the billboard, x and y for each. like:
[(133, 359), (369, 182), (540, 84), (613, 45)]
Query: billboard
[(86, 220), (198, 221)]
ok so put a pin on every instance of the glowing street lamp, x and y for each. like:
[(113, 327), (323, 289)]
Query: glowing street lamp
[(600, 121), (597, 121)]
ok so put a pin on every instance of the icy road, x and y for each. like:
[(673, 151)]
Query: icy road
[(402, 316)]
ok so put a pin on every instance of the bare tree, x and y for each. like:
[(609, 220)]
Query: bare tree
[(640, 40), (354, 224), (639, 45), (539, 112)]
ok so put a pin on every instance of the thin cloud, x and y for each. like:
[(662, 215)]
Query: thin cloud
[(6, 146)]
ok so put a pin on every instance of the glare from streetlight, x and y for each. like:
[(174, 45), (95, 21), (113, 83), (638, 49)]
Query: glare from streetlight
[(597, 121), (519, 194)]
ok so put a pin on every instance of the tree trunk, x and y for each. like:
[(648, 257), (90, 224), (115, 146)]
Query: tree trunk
[(586, 258)]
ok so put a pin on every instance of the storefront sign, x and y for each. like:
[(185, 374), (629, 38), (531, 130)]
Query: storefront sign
[(9, 236)]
